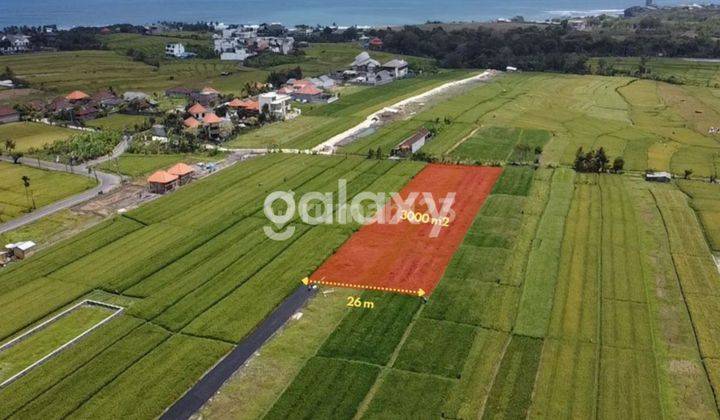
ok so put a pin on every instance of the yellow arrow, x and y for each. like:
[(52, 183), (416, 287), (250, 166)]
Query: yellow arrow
[(421, 292), (305, 281)]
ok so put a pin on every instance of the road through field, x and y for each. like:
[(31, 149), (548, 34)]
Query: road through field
[(106, 183), (206, 387)]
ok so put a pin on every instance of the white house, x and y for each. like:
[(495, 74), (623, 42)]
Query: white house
[(397, 68), (14, 43), (275, 105), (175, 50), (238, 54)]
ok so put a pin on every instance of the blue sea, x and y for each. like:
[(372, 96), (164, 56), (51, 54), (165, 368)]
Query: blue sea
[(68, 13)]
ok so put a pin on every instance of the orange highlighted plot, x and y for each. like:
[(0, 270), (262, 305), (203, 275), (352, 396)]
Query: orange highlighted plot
[(405, 257)]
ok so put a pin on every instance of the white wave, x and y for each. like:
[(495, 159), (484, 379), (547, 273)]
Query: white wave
[(591, 12)]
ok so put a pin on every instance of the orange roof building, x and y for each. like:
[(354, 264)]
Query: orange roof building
[(191, 123), (181, 169), (161, 182), (77, 95), (211, 118), (162, 177), (197, 109), (235, 103), (250, 105)]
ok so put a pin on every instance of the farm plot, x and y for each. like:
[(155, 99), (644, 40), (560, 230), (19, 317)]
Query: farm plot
[(45, 187), (31, 135), (706, 203), (502, 144), (328, 389), (39, 344), (405, 257), (195, 267)]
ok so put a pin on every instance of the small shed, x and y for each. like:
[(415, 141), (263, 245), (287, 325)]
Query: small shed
[(161, 182), (21, 249), (412, 144), (183, 172), (658, 177)]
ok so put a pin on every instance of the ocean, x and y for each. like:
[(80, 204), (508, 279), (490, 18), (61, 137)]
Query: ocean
[(68, 13)]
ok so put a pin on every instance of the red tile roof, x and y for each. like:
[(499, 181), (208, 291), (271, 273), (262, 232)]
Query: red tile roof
[(180, 169), (78, 95), (211, 119), (191, 123), (250, 105), (376, 41), (197, 109), (310, 90), (162, 177), (235, 103)]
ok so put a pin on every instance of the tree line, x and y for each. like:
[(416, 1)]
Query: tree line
[(555, 47)]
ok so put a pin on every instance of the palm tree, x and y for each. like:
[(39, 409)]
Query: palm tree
[(28, 196), (9, 145)]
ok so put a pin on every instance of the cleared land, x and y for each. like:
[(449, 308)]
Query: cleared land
[(45, 187), (27, 135), (409, 255)]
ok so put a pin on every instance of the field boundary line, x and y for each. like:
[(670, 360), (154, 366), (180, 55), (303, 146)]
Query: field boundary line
[(682, 293), (365, 403), (74, 371), (87, 302)]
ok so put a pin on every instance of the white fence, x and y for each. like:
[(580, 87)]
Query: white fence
[(117, 311)]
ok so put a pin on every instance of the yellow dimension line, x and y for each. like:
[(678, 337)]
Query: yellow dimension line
[(307, 281)]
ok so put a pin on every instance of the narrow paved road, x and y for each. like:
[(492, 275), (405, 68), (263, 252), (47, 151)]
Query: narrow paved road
[(106, 183), (203, 390)]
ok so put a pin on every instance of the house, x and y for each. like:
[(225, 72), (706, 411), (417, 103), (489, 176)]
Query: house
[(183, 172), (175, 50), (375, 43), (511, 69), (380, 78), (658, 177), (245, 108), (60, 106), (397, 68), (12, 44), (212, 125), (105, 99), (21, 250), (236, 54), (364, 63), (210, 94), (161, 182), (131, 96), (198, 111), (308, 93), (8, 115), (412, 144), (86, 113), (191, 122), (77, 96), (275, 105), (178, 92)]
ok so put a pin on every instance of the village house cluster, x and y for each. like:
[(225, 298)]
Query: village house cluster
[(238, 43), (78, 107)]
